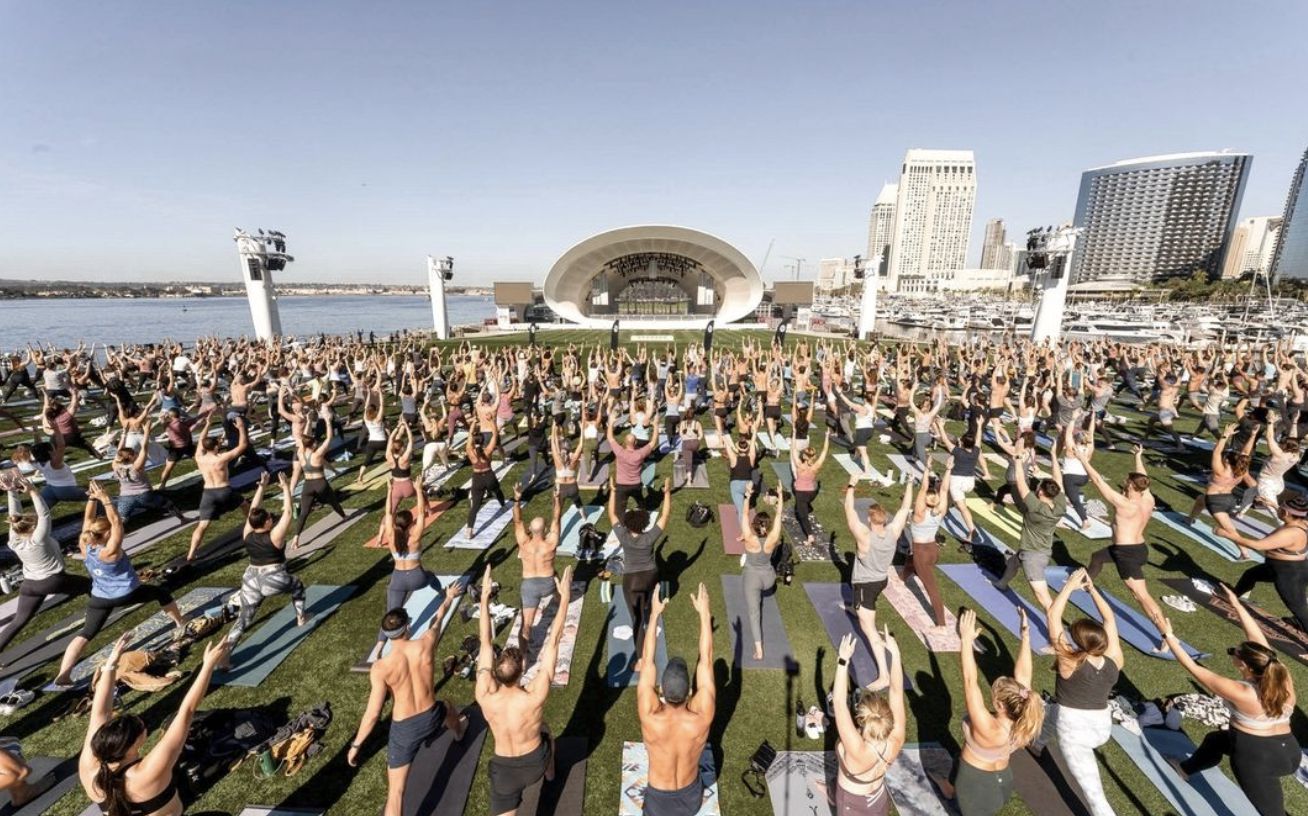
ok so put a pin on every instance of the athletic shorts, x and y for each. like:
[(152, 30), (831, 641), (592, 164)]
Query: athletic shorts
[(995, 413), (1130, 560), (215, 501), (960, 486), (1220, 502), (867, 592), (510, 776), (862, 436), (1034, 564), (1166, 416), (178, 454), (772, 412), (675, 803), (409, 735), (535, 590)]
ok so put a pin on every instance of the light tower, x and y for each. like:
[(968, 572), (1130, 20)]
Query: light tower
[(1049, 262), (261, 255), (439, 270), (867, 312)]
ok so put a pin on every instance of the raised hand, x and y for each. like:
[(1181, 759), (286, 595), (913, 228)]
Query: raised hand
[(847, 646), (967, 627), (700, 600), (659, 603)]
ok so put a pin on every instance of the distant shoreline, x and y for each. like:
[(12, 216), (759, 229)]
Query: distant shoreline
[(163, 293)]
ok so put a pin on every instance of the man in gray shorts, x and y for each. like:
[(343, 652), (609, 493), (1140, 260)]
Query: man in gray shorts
[(1045, 507), (536, 548)]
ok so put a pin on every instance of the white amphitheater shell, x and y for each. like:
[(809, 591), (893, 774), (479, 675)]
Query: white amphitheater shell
[(698, 277)]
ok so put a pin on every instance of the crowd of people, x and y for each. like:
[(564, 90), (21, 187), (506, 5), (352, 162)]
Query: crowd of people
[(951, 413)]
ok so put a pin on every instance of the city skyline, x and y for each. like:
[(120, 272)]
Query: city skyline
[(132, 144)]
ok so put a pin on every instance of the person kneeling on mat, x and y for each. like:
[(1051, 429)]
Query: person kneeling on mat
[(417, 716), (524, 749), (674, 722)]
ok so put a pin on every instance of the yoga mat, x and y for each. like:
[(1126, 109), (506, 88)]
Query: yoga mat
[(911, 602), (1209, 793), (785, 477), (1002, 606), (491, 522), (832, 603), (1253, 526), (1201, 444), (434, 479), (1283, 634), (1200, 532), (567, 641), (713, 439), (799, 782), (322, 533), (954, 525), (699, 480), (567, 791), (500, 472), (570, 527), (776, 646), (264, 649), (262, 810), (142, 538), (542, 478), (730, 526), (780, 442), (601, 479), (1133, 627), (434, 511), (851, 467), (371, 479), (154, 632), (441, 775), (622, 651), (985, 511), (911, 788), (648, 473), (1097, 531), (65, 775), (635, 777), (904, 464), (1045, 784), (421, 606)]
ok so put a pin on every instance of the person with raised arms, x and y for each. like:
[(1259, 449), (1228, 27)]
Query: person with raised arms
[(674, 720), (871, 736), (217, 497), (524, 748), (875, 543), (637, 537), (1285, 550), (538, 543), (1044, 508)]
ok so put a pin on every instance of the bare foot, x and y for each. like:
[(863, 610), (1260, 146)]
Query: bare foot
[(1175, 762), (302, 618), (758, 652)]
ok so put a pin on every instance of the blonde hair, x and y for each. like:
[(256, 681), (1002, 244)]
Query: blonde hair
[(96, 530), (1020, 704), (873, 717)]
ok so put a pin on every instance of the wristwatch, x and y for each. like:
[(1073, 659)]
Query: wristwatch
[(842, 662)]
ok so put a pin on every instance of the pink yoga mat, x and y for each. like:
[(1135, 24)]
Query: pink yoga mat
[(730, 525)]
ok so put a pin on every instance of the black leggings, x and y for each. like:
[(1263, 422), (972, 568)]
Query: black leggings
[(316, 491), (31, 594), (18, 378), (803, 507), (1072, 484), (99, 609), (76, 440), (1258, 762), (624, 492), (1290, 579), (637, 591), (484, 482)]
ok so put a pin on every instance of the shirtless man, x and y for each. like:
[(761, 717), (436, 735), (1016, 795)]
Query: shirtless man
[(524, 749), (406, 673), (536, 548), (1132, 507), (674, 722), (218, 497), (1168, 391)]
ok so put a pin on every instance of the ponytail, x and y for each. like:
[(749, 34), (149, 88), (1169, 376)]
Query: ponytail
[(110, 745), (1024, 708), (113, 784), (1275, 688)]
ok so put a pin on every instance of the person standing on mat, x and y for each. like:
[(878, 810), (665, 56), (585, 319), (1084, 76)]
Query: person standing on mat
[(1286, 553), (524, 748), (982, 781), (114, 583), (928, 513), (640, 576), (217, 498), (1045, 507), (1132, 507), (41, 557), (401, 532), (114, 774), (417, 717), (674, 721), (1229, 471), (968, 462), (806, 464), (313, 469), (1259, 741), (740, 454), (871, 737), (759, 538), (537, 545), (1089, 660), (484, 479), (567, 464), (874, 549), (629, 460)]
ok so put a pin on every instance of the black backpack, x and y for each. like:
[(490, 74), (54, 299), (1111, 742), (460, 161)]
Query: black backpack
[(219, 739), (699, 515)]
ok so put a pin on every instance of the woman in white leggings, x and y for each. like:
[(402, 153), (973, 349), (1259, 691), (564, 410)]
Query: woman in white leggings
[(1089, 663)]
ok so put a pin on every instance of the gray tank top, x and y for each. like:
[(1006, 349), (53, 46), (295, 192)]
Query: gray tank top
[(874, 565), (758, 560)]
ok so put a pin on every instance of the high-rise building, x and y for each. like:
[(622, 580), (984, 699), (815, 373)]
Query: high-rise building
[(1291, 254), (1253, 246), (933, 218), (880, 232), (1157, 217), (1007, 255), (992, 249), (834, 273)]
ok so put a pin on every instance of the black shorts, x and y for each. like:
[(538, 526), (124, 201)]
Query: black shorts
[(178, 454), (408, 735), (1220, 502), (772, 412), (510, 776), (1130, 560), (862, 436), (216, 501), (995, 413), (867, 592)]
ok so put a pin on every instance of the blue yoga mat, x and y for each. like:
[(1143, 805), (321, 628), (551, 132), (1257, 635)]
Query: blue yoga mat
[(954, 525), (1209, 793), (1132, 626), (776, 645), (784, 476), (1200, 532), (570, 527), (264, 650), (622, 653), (1000, 605), (422, 606), (832, 604)]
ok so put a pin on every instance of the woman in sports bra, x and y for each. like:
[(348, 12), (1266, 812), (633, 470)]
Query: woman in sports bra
[(759, 537), (400, 532), (372, 436), (1089, 661), (983, 781), (399, 458), (929, 511), (870, 737), (566, 464), (740, 466), (1286, 553), (113, 773), (806, 464), (1259, 740), (1229, 470), (312, 462)]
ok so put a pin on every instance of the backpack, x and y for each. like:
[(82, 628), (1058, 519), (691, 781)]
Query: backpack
[(294, 744), (591, 539), (699, 514), (218, 740)]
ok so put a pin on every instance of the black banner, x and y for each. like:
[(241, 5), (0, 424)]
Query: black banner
[(531, 334), (780, 337), (613, 337), (708, 337)]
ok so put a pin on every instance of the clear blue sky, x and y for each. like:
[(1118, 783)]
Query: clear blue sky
[(134, 136)]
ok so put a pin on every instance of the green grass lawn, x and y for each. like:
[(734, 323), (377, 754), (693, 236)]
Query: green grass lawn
[(751, 707)]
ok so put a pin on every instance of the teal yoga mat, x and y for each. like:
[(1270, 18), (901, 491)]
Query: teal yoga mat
[(263, 650)]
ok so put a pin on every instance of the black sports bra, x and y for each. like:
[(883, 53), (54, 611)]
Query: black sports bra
[(149, 806)]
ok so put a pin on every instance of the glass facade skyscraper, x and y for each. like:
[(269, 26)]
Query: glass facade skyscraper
[(1292, 250)]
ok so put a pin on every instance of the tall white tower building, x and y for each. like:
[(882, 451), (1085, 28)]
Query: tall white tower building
[(880, 233), (261, 255), (933, 218)]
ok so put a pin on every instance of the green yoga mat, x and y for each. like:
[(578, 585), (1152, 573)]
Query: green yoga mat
[(262, 651)]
